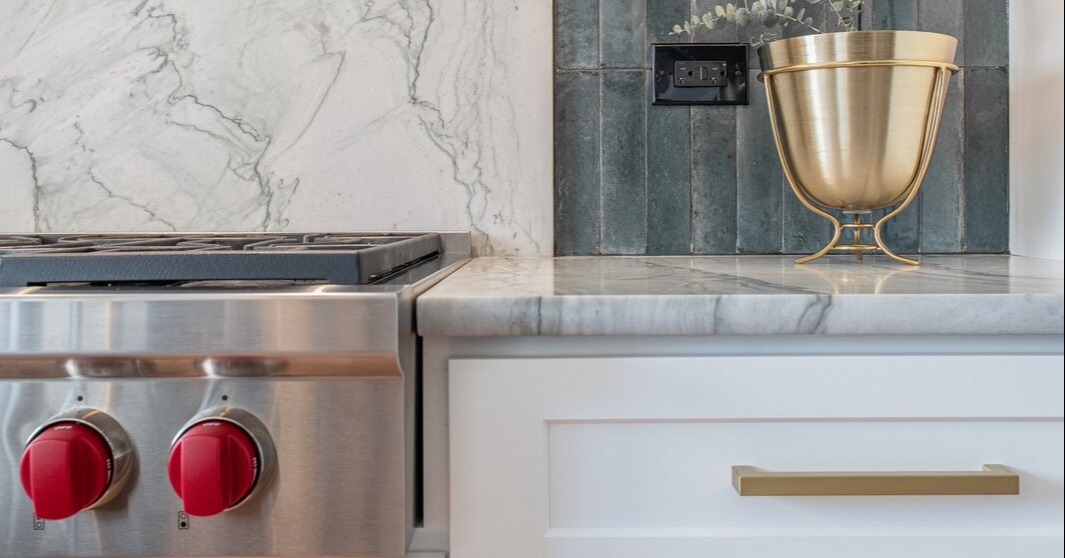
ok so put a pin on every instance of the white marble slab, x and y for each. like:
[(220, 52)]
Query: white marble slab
[(279, 115), (745, 295)]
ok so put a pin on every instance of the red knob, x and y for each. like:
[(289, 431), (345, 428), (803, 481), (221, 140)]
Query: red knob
[(65, 469), (213, 466)]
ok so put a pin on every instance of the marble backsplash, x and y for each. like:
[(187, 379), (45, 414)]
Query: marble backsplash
[(278, 115)]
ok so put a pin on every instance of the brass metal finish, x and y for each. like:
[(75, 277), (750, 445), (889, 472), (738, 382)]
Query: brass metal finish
[(855, 118), (991, 480)]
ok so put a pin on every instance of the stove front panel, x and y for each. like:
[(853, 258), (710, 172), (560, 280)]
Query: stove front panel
[(338, 488)]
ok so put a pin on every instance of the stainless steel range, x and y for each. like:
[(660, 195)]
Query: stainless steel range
[(212, 394)]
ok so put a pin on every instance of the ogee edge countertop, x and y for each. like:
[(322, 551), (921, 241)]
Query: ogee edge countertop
[(746, 295)]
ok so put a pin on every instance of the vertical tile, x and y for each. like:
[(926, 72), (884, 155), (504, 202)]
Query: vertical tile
[(576, 34), (946, 16), (576, 163), (903, 232), (987, 26), (758, 176), (723, 33), (624, 169), (714, 180), (622, 33), (898, 15), (662, 15), (669, 185), (804, 230), (668, 146), (714, 218), (986, 160), (941, 192)]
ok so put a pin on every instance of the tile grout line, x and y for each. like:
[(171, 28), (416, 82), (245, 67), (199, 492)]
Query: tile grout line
[(646, 163), (599, 164), (691, 180), (963, 239), (692, 8), (646, 168)]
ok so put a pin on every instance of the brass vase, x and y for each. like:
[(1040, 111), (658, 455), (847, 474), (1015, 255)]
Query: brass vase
[(855, 117)]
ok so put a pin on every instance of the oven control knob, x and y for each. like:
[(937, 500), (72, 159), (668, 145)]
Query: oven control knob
[(219, 461), (76, 461)]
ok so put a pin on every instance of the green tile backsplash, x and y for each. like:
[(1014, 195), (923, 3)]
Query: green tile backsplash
[(632, 178)]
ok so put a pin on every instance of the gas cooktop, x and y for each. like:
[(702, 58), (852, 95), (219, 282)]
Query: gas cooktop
[(210, 259), (178, 395)]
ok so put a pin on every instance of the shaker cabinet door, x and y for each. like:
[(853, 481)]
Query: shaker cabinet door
[(835, 456)]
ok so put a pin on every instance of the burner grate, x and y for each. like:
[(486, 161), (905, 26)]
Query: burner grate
[(122, 258)]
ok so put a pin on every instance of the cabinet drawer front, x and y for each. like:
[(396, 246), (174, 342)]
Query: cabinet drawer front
[(678, 474), (634, 457)]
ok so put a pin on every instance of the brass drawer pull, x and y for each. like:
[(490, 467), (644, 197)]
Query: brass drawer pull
[(992, 479)]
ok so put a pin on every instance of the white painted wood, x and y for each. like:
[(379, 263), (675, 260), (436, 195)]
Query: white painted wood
[(677, 474), (629, 457), (438, 351)]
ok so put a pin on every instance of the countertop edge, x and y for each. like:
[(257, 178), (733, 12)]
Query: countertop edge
[(742, 314)]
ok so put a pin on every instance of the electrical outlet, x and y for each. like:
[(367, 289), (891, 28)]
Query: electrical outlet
[(700, 73)]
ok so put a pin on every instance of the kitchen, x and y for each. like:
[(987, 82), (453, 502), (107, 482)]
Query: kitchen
[(590, 368)]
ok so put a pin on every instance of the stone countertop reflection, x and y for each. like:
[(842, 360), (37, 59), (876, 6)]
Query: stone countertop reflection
[(746, 295)]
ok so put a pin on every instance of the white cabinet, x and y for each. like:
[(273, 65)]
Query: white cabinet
[(632, 457)]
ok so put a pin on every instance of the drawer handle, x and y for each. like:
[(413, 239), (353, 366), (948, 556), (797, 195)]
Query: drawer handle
[(992, 479)]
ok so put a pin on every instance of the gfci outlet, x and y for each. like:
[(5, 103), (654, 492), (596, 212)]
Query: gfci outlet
[(700, 74)]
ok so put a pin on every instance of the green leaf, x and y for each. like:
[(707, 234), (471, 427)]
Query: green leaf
[(789, 12), (838, 6), (809, 21), (741, 17), (769, 17), (719, 11), (688, 27), (708, 19), (677, 30), (730, 12), (802, 12), (696, 20)]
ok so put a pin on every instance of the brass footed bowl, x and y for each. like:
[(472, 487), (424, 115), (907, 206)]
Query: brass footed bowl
[(855, 116)]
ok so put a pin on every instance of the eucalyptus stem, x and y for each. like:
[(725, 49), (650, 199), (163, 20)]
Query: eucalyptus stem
[(803, 23), (769, 13), (841, 20)]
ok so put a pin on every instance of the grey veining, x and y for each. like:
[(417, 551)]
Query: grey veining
[(709, 295), (278, 114)]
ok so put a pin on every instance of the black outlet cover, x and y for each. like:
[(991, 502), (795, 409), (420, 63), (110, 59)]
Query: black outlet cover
[(670, 89)]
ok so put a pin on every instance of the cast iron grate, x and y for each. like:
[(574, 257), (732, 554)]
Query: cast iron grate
[(165, 259)]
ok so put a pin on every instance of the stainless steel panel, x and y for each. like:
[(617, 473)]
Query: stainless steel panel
[(339, 487), (314, 321), (299, 331)]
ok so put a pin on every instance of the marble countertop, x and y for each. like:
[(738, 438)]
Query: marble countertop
[(745, 295)]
